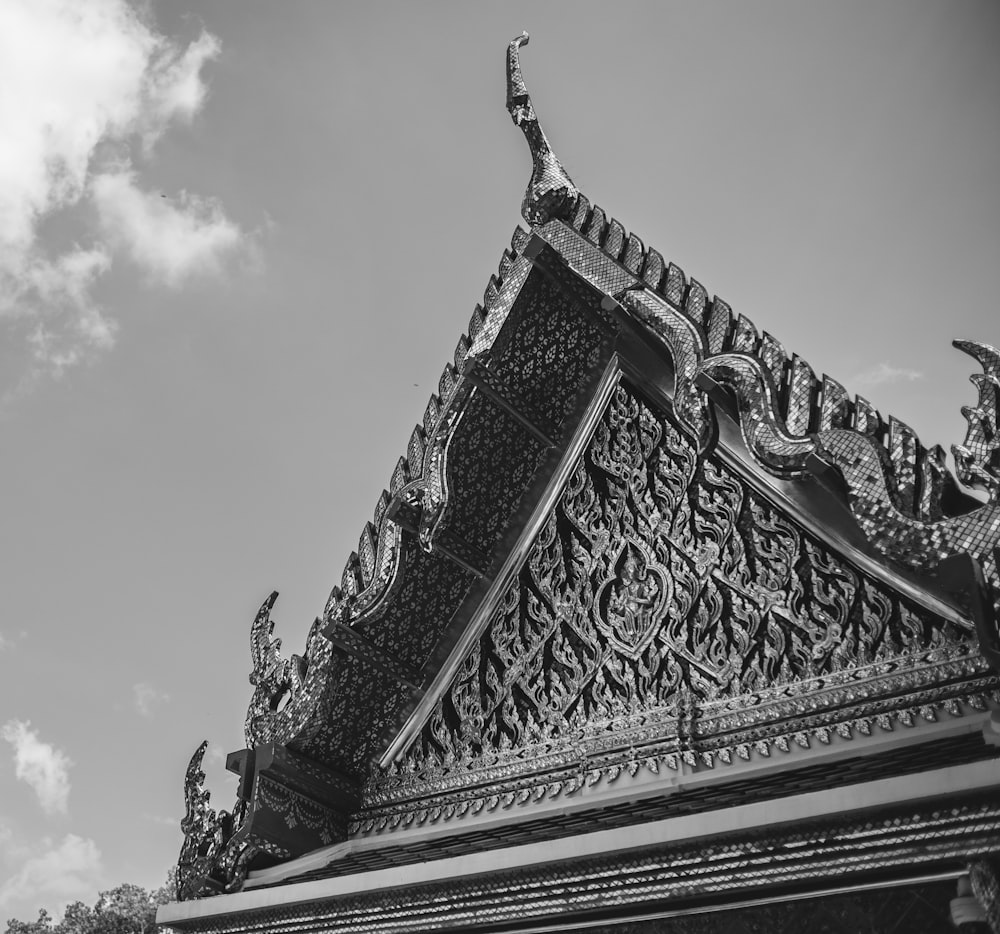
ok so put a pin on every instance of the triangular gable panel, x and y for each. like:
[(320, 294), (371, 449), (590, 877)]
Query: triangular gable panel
[(647, 600), (667, 612)]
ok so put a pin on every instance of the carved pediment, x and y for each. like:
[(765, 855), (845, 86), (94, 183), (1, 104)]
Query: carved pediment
[(631, 532), (667, 611)]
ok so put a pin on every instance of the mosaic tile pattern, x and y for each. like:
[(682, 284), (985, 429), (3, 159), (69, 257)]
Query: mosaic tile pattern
[(764, 430), (788, 414), (551, 192), (489, 466), (789, 400), (880, 509), (550, 350), (298, 684), (978, 456), (331, 707), (662, 591), (780, 411)]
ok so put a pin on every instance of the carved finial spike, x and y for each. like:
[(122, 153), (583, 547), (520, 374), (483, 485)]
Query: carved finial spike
[(551, 192), (195, 775), (196, 797), (263, 649), (977, 459), (206, 833), (515, 83), (988, 357)]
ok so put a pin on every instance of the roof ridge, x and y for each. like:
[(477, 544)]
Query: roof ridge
[(367, 571), (805, 402), (371, 570)]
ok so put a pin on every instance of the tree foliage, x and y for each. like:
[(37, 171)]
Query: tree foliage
[(125, 909)]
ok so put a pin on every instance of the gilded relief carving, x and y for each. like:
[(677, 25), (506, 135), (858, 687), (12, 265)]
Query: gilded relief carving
[(663, 602), (629, 603), (666, 614)]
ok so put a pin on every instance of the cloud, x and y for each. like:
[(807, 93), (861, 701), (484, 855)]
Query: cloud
[(56, 876), (96, 88), (147, 698), (40, 765), (171, 241), (883, 373), (4, 642), (174, 88)]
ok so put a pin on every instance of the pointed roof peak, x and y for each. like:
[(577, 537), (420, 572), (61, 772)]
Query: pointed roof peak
[(551, 193)]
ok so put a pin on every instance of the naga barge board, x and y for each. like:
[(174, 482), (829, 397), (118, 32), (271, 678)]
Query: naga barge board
[(652, 625)]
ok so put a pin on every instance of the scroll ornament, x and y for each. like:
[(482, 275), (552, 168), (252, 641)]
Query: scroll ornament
[(212, 857), (882, 509)]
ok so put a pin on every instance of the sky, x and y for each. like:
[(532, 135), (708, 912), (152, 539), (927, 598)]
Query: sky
[(240, 240)]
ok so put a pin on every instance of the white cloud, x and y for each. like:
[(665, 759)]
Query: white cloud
[(174, 88), (171, 240), (40, 765), (61, 873), (94, 82), (883, 373), (78, 70), (147, 698), (4, 642)]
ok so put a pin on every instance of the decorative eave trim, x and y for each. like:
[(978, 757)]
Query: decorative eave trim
[(780, 402), (626, 787), (372, 572), (728, 739), (782, 812), (792, 424)]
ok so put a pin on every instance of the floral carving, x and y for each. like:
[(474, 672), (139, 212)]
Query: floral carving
[(666, 614), (665, 607)]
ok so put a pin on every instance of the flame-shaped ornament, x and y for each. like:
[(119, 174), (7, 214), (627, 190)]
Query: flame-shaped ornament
[(551, 192), (977, 459)]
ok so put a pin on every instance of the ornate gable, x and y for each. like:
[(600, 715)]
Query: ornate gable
[(666, 613), (638, 563)]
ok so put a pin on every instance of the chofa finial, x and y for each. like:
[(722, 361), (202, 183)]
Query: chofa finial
[(551, 192), (977, 459)]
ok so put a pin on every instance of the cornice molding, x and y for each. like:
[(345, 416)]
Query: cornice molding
[(838, 803)]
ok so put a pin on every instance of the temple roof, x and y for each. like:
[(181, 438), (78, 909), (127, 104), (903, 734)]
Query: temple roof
[(581, 317)]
